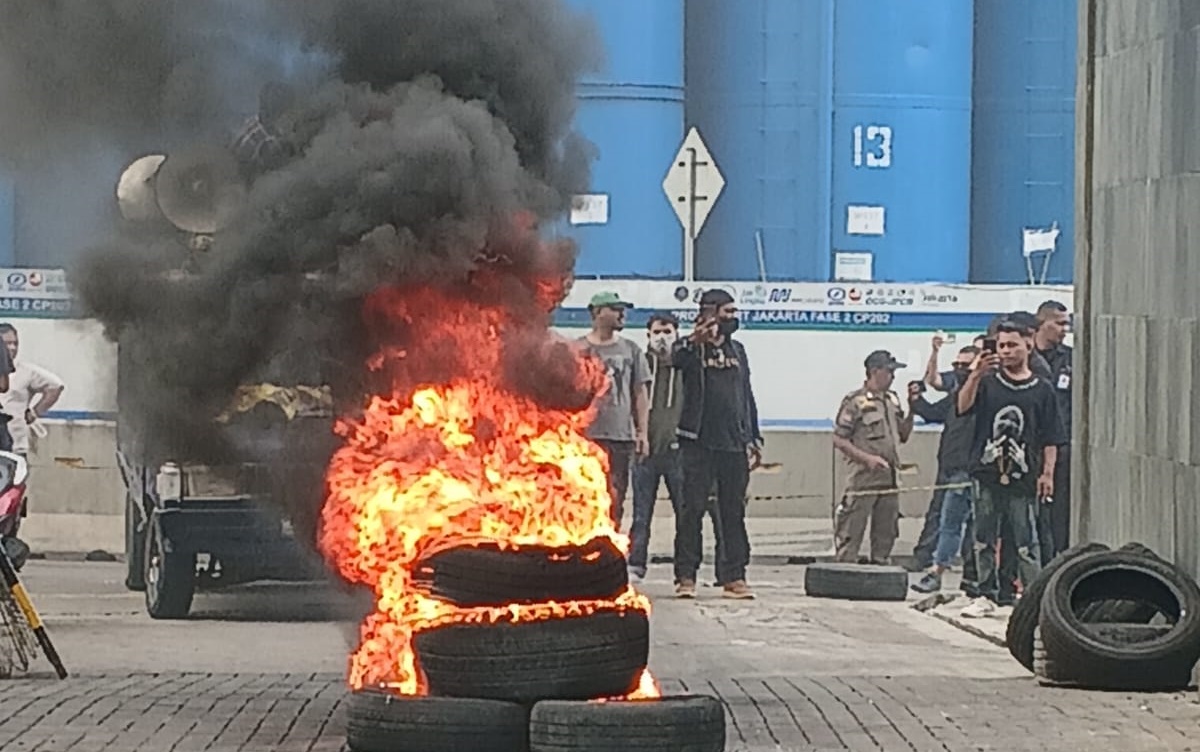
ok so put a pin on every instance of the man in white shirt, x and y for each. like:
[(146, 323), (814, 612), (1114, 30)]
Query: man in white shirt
[(32, 391)]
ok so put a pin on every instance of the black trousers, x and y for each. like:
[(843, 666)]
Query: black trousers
[(1054, 519), (731, 472), (620, 460)]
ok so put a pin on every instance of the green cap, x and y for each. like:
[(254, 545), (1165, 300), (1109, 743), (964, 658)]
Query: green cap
[(608, 300)]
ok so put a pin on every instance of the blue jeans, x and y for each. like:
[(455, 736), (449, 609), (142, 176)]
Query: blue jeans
[(957, 506), (647, 475)]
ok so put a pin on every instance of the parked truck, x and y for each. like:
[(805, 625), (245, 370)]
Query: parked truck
[(192, 524)]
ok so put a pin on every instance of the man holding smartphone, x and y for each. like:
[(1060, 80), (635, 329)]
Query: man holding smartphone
[(1017, 433), (719, 438)]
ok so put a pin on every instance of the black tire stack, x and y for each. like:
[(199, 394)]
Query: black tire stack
[(517, 686), (1103, 619)]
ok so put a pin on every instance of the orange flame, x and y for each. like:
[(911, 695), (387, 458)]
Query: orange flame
[(443, 465)]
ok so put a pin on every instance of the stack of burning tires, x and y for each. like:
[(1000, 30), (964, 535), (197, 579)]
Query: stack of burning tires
[(1102, 619), (572, 681)]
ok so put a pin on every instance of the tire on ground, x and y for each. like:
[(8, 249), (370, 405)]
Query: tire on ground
[(1122, 657), (487, 575), (1024, 618), (379, 722), (1128, 612), (856, 582), (679, 724), (578, 658)]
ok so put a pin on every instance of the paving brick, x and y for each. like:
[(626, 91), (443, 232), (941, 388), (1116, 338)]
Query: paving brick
[(303, 713)]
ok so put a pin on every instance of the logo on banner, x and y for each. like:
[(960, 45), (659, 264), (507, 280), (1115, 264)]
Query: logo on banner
[(836, 296), (756, 295)]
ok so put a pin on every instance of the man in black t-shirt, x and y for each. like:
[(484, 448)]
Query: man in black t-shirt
[(1017, 433), (1053, 323)]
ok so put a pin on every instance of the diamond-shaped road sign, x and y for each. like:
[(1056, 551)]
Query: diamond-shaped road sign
[(693, 183)]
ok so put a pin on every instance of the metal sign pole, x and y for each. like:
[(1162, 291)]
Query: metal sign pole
[(689, 227)]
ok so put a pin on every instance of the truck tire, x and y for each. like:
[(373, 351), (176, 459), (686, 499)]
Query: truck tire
[(1125, 612), (578, 658), (379, 722), (486, 575), (1024, 619), (856, 582), (135, 548), (170, 577), (680, 724), (1122, 657)]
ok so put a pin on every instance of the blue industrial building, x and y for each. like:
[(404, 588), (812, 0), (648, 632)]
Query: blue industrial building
[(923, 136)]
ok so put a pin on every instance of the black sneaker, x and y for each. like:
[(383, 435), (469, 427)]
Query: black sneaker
[(930, 583)]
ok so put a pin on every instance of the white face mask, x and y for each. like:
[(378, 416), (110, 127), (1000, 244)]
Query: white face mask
[(662, 341)]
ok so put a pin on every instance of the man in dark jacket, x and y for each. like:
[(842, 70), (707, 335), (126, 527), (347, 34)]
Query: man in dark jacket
[(662, 463), (719, 437)]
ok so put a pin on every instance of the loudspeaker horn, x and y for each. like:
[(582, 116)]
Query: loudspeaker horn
[(200, 190)]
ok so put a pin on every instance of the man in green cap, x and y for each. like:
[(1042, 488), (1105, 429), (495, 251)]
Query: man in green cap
[(622, 415)]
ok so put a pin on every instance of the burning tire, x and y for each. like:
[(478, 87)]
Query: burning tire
[(378, 722), (1123, 657), (578, 658), (489, 576), (680, 724)]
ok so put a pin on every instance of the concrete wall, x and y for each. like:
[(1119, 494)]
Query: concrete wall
[(1137, 430), (77, 497)]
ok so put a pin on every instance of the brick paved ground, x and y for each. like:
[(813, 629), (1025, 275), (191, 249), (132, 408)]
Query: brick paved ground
[(808, 674), (295, 713)]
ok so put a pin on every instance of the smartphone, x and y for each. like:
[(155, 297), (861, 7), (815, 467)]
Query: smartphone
[(989, 345)]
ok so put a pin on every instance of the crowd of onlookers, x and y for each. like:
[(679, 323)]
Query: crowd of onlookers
[(683, 413), (1002, 498)]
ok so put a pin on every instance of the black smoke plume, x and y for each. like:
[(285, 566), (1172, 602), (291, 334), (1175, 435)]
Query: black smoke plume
[(413, 136), (414, 133)]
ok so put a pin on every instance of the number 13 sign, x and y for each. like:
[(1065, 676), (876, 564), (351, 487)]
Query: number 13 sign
[(875, 150)]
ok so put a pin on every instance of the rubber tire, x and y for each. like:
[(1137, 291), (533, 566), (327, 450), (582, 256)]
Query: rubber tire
[(486, 575), (856, 582), (679, 724), (379, 722), (579, 658), (135, 549), (1024, 618), (169, 595), (1123, 612), (1093, 660)]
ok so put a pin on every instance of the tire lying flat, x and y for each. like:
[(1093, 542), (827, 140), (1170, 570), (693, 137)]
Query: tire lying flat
[(679, 724), (856, 582), (1122, 657), (487, 575), (580, 658), (379, 722)]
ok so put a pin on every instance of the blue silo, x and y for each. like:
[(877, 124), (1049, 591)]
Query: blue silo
[(633, 112), (902, 137), (759, 76), (1024, 136), (7, 218)]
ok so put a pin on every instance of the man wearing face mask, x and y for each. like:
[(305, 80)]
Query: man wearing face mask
[(870, 428), (663, 463), (719, 438)]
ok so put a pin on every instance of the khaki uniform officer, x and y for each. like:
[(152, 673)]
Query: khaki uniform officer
[(871, 426)]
